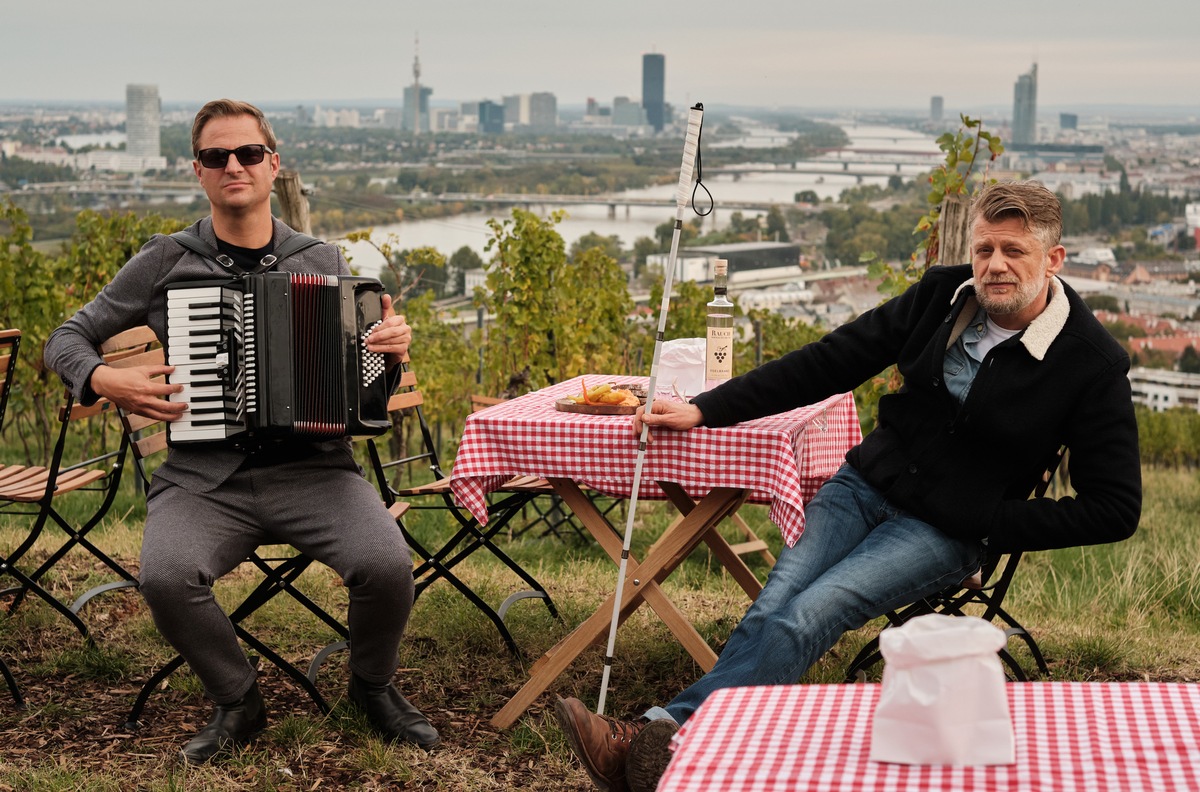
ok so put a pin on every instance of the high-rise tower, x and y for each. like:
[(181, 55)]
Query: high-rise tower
[(416, 97), (654, 70), (1024, 124), (143, 118)]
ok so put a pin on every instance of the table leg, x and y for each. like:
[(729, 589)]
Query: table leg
[(725, 553), (606, 536), (671, 549)]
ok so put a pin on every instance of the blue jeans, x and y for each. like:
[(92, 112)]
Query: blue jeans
[(858, 558)]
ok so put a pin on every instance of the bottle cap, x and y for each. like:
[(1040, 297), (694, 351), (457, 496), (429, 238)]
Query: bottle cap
[(720, 267)]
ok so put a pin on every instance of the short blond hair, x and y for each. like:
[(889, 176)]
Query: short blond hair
[(1031, 201), (226, 108)]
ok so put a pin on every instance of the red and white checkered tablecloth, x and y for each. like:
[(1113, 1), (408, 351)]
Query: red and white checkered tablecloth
[(781, 459), (1070, 736)]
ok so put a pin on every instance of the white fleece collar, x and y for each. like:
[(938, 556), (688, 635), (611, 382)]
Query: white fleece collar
[(1041, 332)]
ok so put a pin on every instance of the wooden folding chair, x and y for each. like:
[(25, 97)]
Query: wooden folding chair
[(148, 440), (36, 492), (10, 344), (435, 494), (986, 588)]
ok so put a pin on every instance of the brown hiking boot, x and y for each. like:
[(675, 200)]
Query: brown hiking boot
[(649, 755), (600, 742)]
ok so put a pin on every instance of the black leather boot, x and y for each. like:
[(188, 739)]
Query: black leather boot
[(231, 725), (391, 715)]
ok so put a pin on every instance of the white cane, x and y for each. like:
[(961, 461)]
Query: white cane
[(691, 144)]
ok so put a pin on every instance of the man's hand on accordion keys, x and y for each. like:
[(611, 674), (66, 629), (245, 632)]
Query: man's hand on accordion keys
[(136, 390), (392, 336)]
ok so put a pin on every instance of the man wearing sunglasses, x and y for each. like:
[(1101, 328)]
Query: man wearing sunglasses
[(210, 504)]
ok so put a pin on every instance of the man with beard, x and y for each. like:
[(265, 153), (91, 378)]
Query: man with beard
[(1003, 364)]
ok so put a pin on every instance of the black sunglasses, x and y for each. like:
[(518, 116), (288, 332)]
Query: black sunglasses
[(247, 155)]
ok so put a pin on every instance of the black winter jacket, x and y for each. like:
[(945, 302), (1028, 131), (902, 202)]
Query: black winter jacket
[(969, 470)]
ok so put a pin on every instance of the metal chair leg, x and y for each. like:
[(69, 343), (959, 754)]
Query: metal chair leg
[(12, 685)]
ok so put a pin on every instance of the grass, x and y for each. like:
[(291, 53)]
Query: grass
[(1113, 612)]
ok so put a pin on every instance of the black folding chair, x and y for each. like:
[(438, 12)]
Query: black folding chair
[(435, 494), (148, 439), (986, 588), (37, 491)]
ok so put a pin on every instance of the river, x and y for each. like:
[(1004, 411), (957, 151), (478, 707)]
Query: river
[(868, 144)]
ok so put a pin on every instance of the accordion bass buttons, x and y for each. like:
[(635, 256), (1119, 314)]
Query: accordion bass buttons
[(372, 362)]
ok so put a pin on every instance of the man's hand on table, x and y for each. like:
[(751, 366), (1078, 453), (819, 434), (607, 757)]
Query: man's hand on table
[(668, 415)]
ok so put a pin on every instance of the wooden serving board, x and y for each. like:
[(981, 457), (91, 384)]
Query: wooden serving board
[(566, 405)]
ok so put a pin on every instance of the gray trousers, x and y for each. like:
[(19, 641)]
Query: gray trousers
[(320, 505)]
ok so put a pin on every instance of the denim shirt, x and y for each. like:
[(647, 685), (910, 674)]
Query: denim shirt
[(963, 359)]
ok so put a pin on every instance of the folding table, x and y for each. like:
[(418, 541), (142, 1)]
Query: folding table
[(706, 473)]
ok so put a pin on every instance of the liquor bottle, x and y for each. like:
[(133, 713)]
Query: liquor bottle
[(718, 360)]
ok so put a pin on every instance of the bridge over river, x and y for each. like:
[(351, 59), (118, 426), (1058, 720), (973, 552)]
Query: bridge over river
[(528, 201)]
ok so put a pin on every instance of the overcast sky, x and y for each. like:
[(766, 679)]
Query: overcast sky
[(853, 53)]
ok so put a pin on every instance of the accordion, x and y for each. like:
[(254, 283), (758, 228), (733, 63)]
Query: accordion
[(275, 356)]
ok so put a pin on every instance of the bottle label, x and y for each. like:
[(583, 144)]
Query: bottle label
[(719, 359)]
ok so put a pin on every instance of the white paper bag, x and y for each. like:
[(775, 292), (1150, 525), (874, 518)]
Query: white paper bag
[(681, 368), (943, 699)]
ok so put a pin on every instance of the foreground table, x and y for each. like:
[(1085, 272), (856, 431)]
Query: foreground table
[(1070, 736), (706, 474)]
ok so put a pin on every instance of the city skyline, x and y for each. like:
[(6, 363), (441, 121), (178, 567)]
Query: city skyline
[(861, 54)]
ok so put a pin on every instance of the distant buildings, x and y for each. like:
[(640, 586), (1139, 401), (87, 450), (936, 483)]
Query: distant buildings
[(543, 112), (143, 118), (491, 118), (935, 108), (348, 117), (516, 110), (416, 98), (532, 112), (143, 146), (416, 108), (654, 71), (1068, 121), (1192, 219), (1161, 390), (1024, 123), (628, 113), (747, 261)]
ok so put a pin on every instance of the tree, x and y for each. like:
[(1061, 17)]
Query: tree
[(41, 291), (1189, 361), (405, 273), (776, 225), (445, 360), (1102, 302), (598, 339), (642, 247), (777, 335), (1153, 358), (545, 327), (608, 245), (955, 177), (461, 261), (425, 270), (663, 232), (1123, 331)]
